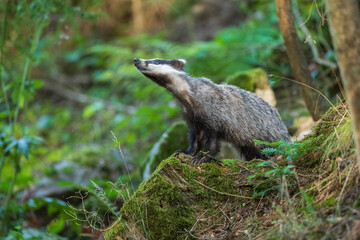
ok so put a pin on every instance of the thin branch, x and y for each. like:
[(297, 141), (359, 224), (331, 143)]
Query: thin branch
[(211, 157), (28, 66), (343, 189), (222, 193), (83, 98), (2, 42), (309, 39), (197, 220), (305, 85)]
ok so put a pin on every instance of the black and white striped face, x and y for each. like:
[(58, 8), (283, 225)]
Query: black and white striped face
[(159, 66)]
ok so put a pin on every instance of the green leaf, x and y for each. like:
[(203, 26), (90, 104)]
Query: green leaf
[(37, 83), (56, 226), (92, 109), (55, 206), (10, 146), (23, 147), (3, 115), (22, 101)]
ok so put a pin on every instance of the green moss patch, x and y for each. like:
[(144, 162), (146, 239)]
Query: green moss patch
[(248, 80), (168, 204)]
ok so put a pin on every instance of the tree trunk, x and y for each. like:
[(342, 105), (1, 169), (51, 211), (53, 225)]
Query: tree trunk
[(138, 16), (313, 100), (344, 22)]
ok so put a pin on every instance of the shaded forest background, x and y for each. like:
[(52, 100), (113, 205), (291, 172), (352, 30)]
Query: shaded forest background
[(74, 108)]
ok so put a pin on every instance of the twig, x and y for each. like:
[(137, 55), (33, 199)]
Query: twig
[(309, 38), (192, 228), (226, 216), (343, 189), (246, 168), (86, 212), (83, 98), (211, 157), (305, 85), (27, 68), (263, 234), (222, 193), (2, 80), (259, 203)]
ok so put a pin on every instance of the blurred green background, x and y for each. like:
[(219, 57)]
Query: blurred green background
[(74, 108)]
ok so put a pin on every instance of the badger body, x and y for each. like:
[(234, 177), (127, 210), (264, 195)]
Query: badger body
[(216, 112)]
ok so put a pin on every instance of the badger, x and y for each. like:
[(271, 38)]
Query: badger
[(216, 112)]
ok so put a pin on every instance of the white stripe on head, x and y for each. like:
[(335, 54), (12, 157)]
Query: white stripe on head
[(161, 69), (182, 60)]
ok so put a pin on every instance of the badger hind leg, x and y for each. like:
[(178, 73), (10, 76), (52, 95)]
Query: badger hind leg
[(250, 152)]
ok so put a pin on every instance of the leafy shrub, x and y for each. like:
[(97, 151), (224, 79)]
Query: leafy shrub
[(290, 150)]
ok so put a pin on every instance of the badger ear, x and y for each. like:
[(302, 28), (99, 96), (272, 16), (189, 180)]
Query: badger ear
[(179, 64)]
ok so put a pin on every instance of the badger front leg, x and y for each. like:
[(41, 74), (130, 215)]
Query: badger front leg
[(195, 138), (212, 148)]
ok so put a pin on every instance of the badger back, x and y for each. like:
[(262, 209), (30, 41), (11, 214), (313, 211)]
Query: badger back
[(237, 115)]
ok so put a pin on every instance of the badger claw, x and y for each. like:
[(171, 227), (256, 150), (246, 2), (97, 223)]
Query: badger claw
[(177, 153), (197, 160)]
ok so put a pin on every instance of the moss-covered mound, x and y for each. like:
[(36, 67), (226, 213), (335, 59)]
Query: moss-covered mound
[(249, 80), (179, 199), (253, 80)]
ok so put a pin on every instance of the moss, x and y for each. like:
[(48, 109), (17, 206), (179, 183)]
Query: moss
[(340, 142), (115, 230), (220, 178), (310, 159), (356, 203), (248, 80), (327, 203), (329, 122), (166, 205), (334, 138), (265, 186), (161, 207)]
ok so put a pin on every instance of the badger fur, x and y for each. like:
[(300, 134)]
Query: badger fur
[(216, 112)]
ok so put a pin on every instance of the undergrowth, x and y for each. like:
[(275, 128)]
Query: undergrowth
[(321, 205), (289, 150)]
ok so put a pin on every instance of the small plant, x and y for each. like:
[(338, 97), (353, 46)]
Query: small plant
[(290, 150), (15, 149), (24, 36), (96, 211), (272, 178), (100, 194)]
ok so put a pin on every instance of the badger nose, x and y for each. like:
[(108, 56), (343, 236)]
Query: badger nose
[(136, 60)]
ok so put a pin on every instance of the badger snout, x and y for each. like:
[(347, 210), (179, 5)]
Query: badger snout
[(136, 61), (140, 64)]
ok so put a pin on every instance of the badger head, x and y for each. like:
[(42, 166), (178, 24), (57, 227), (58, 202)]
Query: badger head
[(166, 73), (159, 66)]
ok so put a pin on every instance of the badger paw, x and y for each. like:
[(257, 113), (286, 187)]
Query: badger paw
[(197, 160), (177, 152)]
